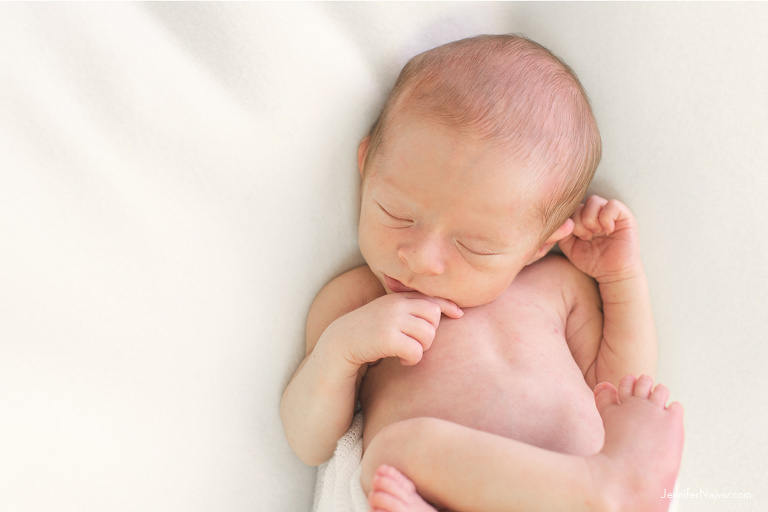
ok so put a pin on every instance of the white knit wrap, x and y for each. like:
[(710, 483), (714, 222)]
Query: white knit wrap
[(338, 486)]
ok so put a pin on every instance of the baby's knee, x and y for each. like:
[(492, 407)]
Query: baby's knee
[(395, 444), (390, 442)]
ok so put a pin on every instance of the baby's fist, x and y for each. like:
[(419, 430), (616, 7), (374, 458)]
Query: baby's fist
[(604, 243)]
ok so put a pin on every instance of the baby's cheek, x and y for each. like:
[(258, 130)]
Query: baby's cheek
[(374, 244), (364, 241)]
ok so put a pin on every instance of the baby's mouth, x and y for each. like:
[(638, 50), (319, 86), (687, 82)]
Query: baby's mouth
[(395, 285)]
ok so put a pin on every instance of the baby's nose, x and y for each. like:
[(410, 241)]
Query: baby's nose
[(423, 257)]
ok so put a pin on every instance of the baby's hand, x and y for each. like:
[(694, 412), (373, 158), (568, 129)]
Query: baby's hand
[(396, 325), (604, 242)]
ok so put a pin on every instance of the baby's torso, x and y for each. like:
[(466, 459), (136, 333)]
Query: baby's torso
[(503, 368)]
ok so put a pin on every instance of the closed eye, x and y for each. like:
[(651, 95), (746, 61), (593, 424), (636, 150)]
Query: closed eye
[(393, 216), (477, 251)]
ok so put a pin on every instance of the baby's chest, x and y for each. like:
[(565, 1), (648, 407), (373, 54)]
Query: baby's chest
[(513, 331), (504, 368)]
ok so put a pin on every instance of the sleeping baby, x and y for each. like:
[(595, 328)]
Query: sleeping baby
[(490, 375)]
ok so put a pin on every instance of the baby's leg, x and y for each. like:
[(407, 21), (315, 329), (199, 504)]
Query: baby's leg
[(464, 469)]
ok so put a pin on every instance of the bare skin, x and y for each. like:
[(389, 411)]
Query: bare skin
[(460, 328), (639, 460), (392, 491), (521, 381)]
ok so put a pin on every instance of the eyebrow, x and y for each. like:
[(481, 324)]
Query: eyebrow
[(400, 194)]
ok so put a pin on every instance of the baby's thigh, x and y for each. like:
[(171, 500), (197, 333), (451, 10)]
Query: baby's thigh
[(433, 453)]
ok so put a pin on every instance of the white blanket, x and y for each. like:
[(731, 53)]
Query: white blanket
[(338, 486)]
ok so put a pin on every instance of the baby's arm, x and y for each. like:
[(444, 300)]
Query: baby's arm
[(351, 323), (604, 245), (319, 402)]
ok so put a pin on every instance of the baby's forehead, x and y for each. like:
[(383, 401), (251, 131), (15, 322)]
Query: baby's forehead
[(520, 153), (528, 130), (466, 160)]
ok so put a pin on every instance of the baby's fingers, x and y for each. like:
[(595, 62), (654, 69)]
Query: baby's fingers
[(590, 214), (409, 350), (608, 216), (420, 330), (615, 215), (580, 231), (424, 307), (599, 217), (448, 307)]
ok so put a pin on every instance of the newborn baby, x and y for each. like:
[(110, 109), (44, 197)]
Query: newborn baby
[(486, 369)]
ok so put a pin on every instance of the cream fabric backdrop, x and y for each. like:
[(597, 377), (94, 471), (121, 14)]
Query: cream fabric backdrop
[(177, 181)]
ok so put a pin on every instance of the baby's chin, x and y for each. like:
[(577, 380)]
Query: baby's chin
[(476, 299), (462, 302), (471, 303)]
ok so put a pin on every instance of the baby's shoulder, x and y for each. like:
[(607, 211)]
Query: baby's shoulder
[(554, 265), (354, 288), (557, 272)]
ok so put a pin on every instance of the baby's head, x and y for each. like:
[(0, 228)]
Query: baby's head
[(482, 151)]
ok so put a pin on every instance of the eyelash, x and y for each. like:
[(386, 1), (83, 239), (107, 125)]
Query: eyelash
[(457, 242), (392, 216), (475, 252)]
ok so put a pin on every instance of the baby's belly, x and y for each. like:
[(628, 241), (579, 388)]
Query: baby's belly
[(520, 384)]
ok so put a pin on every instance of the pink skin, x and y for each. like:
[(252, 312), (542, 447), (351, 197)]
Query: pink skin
[(448, 215), (392, 491), (604, 243), (445, 216), (643, 443), (640, 458), (395, 285)]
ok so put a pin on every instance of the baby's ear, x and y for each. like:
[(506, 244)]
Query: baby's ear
[(362, 151), (563, 231)]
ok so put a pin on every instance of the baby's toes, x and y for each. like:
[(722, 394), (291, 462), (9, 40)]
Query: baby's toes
[(643, 386), (676, 408), (400, 478), (392, 491), (605, 395), (626, 387), (381, 500), (390, 481), (659, 395)]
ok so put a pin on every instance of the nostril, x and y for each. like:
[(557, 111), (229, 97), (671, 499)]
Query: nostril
[(422, 262)]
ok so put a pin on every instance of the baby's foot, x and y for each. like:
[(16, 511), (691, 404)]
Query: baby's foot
[(392, 491), (643, 444)]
